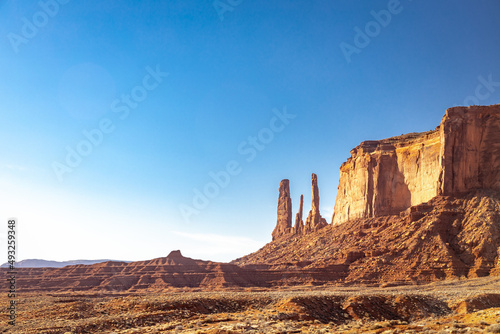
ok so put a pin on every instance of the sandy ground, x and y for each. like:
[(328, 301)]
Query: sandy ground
[(460, 306)]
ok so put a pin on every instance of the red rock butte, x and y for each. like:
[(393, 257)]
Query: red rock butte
[(389, 176)]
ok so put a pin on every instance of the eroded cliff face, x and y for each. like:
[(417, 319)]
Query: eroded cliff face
[(471, 149), (389, 176)]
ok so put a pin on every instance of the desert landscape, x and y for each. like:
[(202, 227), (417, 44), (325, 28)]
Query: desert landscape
[(456, 306), (249, 167), (413, 247)]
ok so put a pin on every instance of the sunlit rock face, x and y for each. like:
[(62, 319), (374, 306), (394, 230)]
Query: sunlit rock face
[(388, 176), (284, 221), (470, 154), (314, 220), (298, 227)]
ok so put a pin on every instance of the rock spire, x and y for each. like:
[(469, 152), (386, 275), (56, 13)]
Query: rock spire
[(314, 220), (298, 227), (284, 222)]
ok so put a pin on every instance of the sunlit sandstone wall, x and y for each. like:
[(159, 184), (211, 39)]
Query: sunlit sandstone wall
[(388, 176), (471, 149)]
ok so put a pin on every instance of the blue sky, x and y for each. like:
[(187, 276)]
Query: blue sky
[(157, 96)]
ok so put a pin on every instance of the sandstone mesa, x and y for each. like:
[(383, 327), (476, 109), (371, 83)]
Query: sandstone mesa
[(389, 176)]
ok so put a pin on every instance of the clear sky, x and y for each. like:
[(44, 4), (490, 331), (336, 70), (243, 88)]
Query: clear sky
[(116, 117)]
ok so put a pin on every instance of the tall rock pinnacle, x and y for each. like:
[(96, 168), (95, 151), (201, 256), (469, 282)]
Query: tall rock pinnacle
[(284, 222), (315, 194), (298, 227), (314, 220)]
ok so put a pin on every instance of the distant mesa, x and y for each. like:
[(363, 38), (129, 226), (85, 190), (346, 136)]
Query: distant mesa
[(175, 254), (37, 263)]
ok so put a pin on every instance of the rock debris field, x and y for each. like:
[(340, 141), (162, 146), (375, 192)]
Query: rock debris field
[(458, 306)]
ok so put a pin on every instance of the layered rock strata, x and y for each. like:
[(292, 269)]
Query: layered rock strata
[(470, 150), (162, 274), (389, 176), (447, 238)]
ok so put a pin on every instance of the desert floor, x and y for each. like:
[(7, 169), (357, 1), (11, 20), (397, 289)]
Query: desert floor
[(460, 306)]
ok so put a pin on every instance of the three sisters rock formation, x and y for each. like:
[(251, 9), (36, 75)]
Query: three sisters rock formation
[(314, 220)]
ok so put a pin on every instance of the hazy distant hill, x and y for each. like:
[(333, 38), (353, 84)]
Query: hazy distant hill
[(36, 263)]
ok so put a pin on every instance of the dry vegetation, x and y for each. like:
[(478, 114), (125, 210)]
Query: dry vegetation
[(460, 306)]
